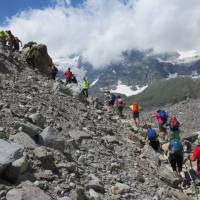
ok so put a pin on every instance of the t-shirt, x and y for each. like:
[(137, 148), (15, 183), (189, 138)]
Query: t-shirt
[(196, 155)]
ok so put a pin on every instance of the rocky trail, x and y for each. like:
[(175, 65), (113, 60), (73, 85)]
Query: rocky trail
[(54, 144)]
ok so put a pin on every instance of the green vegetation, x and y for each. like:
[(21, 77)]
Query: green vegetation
[(165, 92)]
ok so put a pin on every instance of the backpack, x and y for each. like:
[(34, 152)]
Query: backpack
[(163, 115), (135, 107), (176, 146), (112, 98), (120, 103), (151, 134), (174, 124)]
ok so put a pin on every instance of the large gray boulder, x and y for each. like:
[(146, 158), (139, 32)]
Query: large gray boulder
[(167, 176), (24, 140), (50, 137), (17, 168), (37, 119), (9, 152), (29, 128), (27, 191)]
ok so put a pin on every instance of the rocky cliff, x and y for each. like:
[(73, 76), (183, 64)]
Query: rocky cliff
[(56, 145)]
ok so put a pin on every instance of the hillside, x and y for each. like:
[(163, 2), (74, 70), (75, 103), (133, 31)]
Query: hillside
[(170, 91), (56, 145)]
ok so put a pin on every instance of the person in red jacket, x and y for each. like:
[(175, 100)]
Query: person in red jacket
[(68, 75)]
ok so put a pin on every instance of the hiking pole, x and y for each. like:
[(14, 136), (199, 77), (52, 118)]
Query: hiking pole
[(192, 179)]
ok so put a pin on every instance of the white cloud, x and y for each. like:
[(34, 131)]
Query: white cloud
[(101, 30)]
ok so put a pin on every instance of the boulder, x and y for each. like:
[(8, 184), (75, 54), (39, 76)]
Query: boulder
[(16, 168), (96, 185), (38, 57), (120, 188), (151, 155), (9, 152), (24, 140), (79, 135), (180, 196), (46, 158), (50, 137), (61, 88), (29, 128), (37, 119), (27, 191), (167, 176), (110, 139)]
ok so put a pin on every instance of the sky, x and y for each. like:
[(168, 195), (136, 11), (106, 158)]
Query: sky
[(101, 30)]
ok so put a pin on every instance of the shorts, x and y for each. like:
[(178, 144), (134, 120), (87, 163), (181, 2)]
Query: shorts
[(135, 115), (111, 103)]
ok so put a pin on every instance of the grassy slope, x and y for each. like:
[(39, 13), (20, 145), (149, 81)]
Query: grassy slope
[(170, 91)]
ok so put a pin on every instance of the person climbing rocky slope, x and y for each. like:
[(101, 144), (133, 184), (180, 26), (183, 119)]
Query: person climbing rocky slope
[(56, 145)]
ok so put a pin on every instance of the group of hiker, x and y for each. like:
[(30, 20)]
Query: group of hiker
[(71, 78), (8, 39)]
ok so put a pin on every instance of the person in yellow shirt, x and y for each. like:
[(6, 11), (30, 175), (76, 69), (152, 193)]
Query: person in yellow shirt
[(86, 85)]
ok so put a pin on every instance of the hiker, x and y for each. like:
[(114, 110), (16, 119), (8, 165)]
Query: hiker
[(120, 105), (111, 101), (3, 37), (74, 80), (174, 126), (162, 118), (10, 39), (68, 75), (16, 43), (176, 157), (86, 85), (196, 155), (136, 110), (152, 137), (54, 72)]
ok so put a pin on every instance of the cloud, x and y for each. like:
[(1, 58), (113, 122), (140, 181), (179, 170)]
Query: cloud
[(101, 30)]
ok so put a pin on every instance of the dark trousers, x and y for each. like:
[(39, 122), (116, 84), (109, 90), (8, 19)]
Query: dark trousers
[(85, 92), (176, 161), (155, 144)]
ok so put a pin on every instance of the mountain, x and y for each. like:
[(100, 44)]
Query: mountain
[(170, 91)]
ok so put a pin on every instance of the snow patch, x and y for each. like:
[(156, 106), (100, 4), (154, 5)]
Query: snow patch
[(188, 56), (170, 76), (126, 90), (94, 82)]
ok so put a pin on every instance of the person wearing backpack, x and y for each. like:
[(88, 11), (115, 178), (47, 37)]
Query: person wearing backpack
[(120, 105), (162, 119), (111, 101), (68, 76), (174, 126), (136, 108), (152, 137), (176, 157), (196, 155)]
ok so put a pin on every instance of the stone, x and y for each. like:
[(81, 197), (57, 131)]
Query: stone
[(167, 176), (79, 135), (24, 140), (79, 194), (46, 158), (16, 168), (70, 167), (2, 133), (50, 137), (151, 155), (27, 191), (180, 196), (45, 175), (37, 119), (96, 185), (30, 129), (39, 57), (9, 152), (94, 194), (110, 139), (120, 188)]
